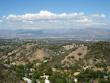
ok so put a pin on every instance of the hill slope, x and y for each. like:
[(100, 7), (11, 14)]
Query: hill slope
[(8, 76)]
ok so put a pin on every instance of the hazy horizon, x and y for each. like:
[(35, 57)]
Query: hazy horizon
[(68, 18)]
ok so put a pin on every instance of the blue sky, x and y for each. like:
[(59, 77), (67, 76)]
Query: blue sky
[(46, 13), (32, 6)]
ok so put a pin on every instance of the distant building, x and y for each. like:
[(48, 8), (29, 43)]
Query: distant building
[(46, 78), (27, 80)]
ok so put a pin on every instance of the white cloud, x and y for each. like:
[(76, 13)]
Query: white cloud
[(1, 21), (99, 15), (46, 19)]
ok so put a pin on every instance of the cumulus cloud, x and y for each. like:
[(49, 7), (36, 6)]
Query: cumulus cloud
[(46, 19)]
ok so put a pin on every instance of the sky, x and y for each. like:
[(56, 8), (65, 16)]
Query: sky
[(39, 14)]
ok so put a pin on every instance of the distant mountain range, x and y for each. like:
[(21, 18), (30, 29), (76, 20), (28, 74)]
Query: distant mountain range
[(85, 34)]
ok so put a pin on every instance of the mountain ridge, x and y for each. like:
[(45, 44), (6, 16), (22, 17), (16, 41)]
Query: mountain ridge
[(87, 33)]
